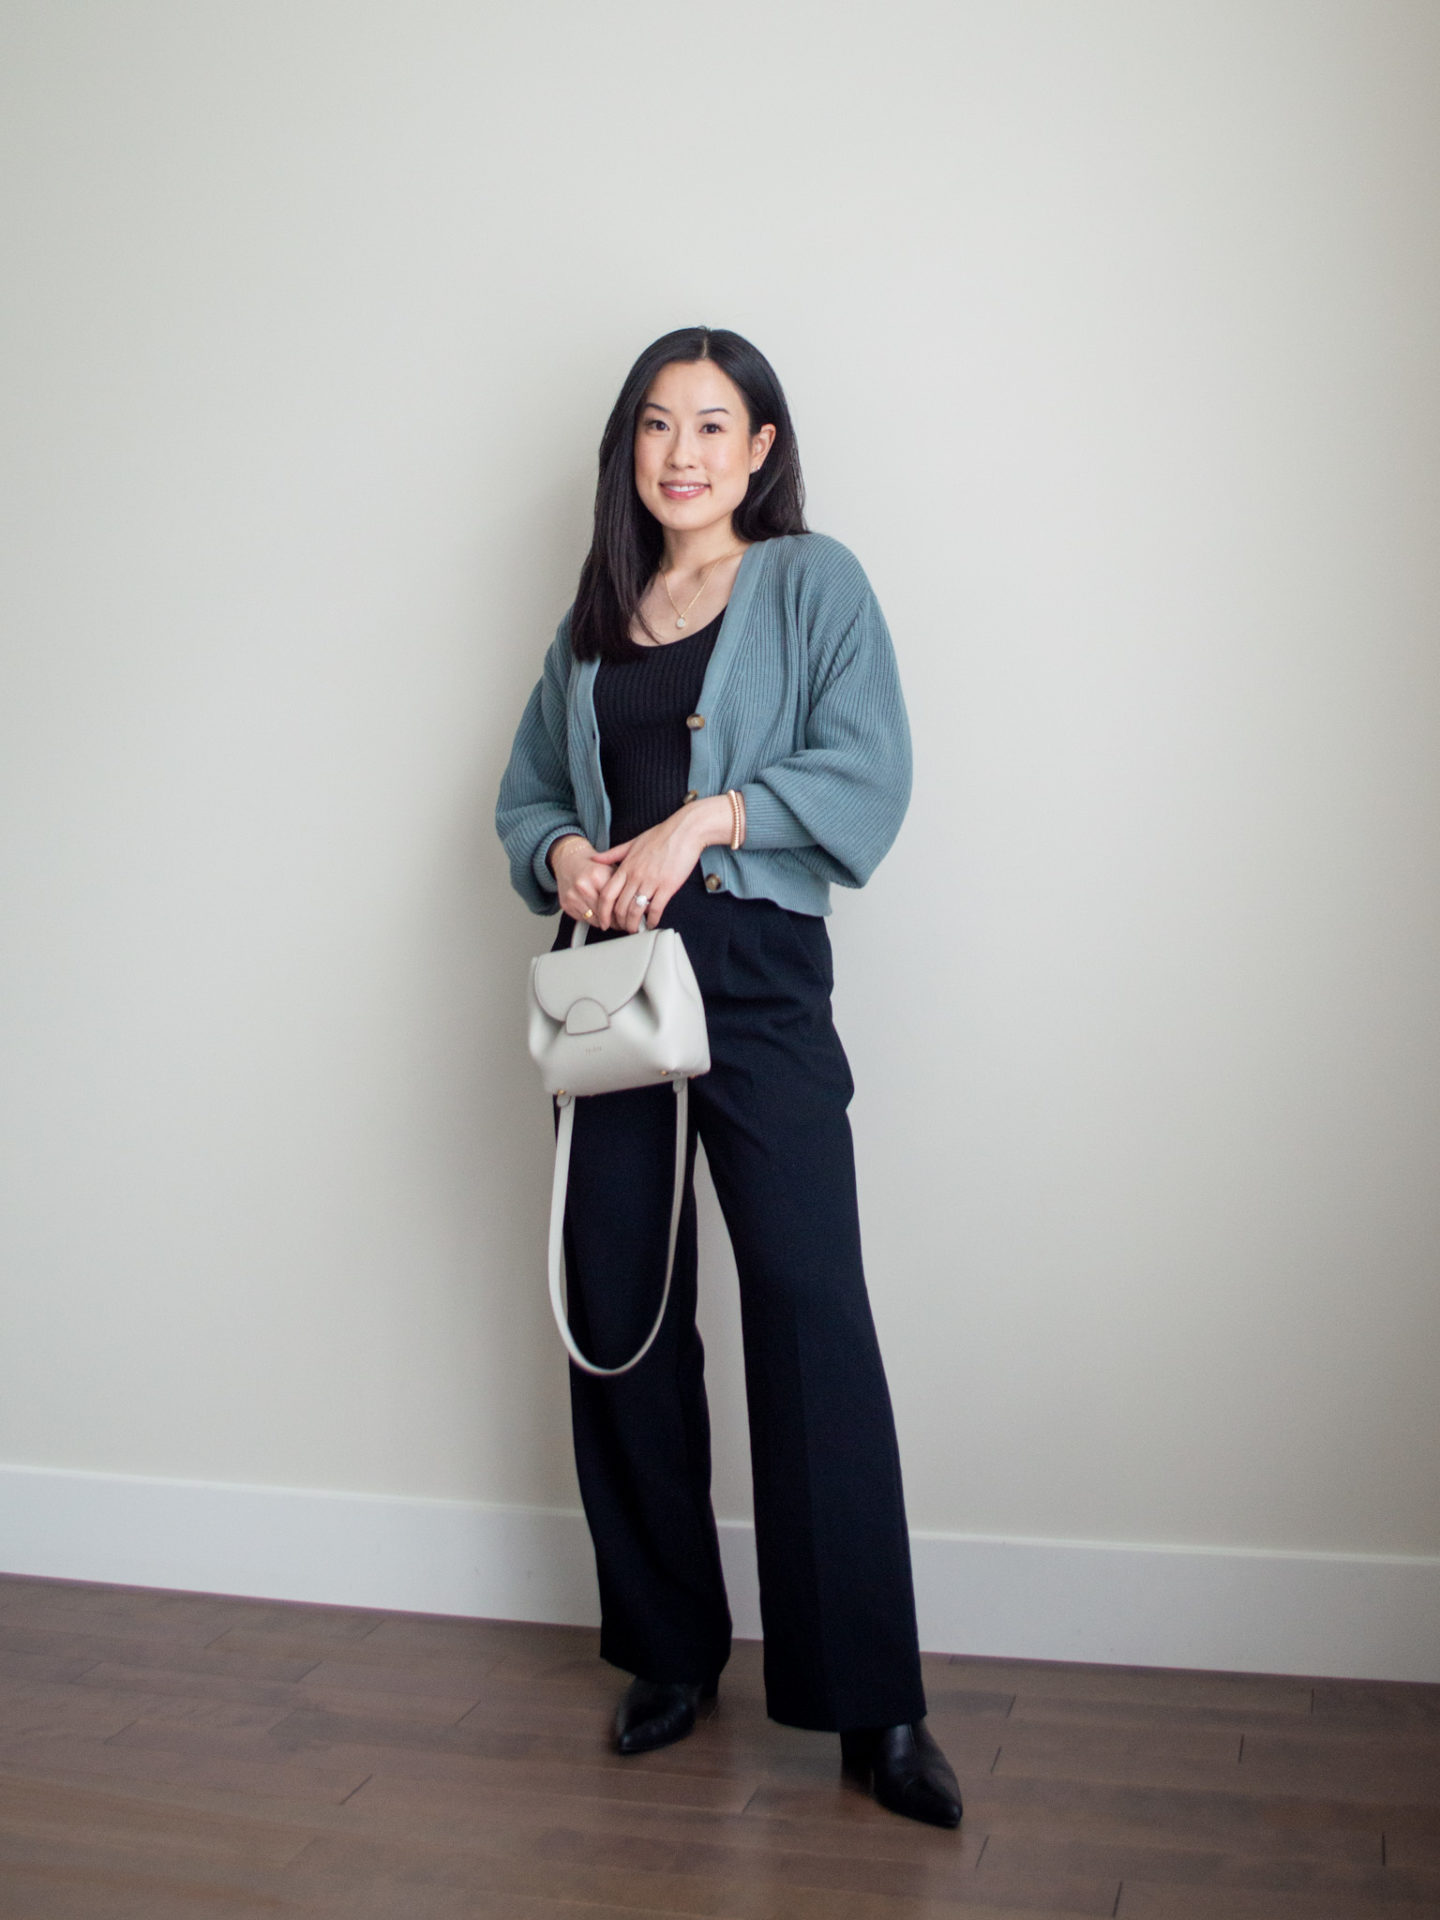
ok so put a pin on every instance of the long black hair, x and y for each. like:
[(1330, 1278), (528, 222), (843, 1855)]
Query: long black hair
[(628, 541)]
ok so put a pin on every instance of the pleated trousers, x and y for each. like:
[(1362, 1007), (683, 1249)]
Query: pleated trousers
[(836, 1594)]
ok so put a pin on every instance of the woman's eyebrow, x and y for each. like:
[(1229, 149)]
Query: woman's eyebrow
[(659, 409)]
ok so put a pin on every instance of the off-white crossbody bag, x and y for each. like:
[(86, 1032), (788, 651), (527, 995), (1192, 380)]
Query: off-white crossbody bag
[(624, 1013)]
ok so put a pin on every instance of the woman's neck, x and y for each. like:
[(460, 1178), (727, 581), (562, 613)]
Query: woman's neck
[(693, 552)]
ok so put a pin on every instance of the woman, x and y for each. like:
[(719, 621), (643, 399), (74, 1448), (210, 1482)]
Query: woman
[(718, 735)]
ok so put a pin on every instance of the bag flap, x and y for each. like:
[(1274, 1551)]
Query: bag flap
[(611, 971)]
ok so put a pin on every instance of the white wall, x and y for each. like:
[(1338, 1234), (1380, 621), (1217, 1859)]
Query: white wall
[(1109, 332)]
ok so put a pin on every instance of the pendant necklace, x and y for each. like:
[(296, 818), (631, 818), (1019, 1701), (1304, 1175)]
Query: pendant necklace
[(704, 581)]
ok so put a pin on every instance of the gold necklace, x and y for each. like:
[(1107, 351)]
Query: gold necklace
[(704, 581)]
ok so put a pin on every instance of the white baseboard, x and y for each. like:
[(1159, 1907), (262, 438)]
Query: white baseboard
[(1366, 1616)]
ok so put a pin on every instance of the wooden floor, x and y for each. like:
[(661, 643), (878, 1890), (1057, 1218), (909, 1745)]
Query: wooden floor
[(166, 1755)]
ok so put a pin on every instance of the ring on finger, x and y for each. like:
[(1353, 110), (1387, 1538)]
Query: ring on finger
[(642, 900)]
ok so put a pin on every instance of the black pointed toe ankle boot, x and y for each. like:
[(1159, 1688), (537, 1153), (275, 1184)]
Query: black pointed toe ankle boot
[(656, 1713), (905, 1770)]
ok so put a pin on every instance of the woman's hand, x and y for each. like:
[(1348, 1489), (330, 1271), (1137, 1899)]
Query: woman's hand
[(656, 864), (580, 877)]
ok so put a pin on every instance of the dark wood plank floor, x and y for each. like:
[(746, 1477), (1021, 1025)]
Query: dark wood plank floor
[(169, 1755)]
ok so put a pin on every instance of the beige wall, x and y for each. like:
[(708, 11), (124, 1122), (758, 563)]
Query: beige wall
[(1109, 331)]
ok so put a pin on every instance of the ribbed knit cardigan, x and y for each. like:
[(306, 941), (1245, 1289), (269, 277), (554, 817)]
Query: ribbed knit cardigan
[(800, 709)]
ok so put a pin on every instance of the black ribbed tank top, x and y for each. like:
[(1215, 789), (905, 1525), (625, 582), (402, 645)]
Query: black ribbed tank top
[(641, 707)]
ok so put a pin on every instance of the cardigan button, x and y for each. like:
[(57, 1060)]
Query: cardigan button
[(713, 882), (691, 795), (695, 721)]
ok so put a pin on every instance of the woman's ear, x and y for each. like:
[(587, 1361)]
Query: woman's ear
[(760, 445)]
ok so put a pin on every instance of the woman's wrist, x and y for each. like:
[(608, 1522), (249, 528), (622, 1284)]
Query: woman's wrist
[(560, 840), (712, 821)]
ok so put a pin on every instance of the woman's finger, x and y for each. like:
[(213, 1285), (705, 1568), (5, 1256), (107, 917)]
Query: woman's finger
[(604, 905), (614, 888), (580, 899), (661, 899), (633, 911)]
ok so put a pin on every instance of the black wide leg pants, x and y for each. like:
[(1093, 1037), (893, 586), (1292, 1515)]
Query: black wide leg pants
[(836, 1598)]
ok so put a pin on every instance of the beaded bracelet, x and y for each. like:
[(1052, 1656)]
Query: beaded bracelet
[(737, 809)]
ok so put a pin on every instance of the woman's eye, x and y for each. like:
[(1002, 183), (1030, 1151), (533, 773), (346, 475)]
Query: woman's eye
[(655, 423)]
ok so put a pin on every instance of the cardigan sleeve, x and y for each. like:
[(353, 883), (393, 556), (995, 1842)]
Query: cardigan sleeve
[(537, 803), (843, 795)]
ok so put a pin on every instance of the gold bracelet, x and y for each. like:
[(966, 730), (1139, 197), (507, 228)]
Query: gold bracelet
[(737, 810)]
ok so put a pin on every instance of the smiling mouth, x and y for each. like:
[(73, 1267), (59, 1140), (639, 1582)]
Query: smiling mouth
[(682, 489)]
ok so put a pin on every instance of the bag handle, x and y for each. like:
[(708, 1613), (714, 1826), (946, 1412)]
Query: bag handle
[(566, 1104), (560, 1185)]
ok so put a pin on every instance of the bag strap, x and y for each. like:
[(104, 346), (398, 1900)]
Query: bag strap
[(559, 1187), (566, 1104)]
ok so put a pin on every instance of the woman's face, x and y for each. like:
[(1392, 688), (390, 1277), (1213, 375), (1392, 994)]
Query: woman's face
[(694, 451)]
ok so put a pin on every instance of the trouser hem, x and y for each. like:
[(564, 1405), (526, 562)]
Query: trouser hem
[(810, 1720), (695, 1674)]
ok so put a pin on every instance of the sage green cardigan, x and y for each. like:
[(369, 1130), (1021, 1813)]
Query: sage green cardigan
[(800, 709)]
